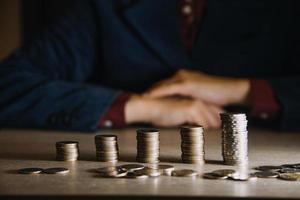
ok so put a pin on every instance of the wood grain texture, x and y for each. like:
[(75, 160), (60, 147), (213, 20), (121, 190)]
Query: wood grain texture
[(20, 148)]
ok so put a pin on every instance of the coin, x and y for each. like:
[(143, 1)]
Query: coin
[(213, 176), (192, 144), (290, 176), (166, 169), (288, 166), (136, 176), (290, 170), (147, 145), (132, 167), (148, 171), (242, 177), (224, 172), (296, 166), (184, 173), (234, 138), (272, 168), (266, 174), (107, 149), (56, 170), (67, 150), (112, 172), (32, 170)]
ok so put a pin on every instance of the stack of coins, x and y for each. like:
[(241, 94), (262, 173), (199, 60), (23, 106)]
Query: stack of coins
[(67, 151), (234, 139), (192, 144), (147, 145), (107, 148)]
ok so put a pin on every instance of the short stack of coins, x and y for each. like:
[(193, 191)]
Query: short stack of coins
[(107, 148), (234, 138), (147, 145), (192, 144), (67, 151)]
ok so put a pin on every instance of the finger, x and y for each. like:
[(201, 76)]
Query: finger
[(199, 115), (167, 90), (208, 114), (215, 115)]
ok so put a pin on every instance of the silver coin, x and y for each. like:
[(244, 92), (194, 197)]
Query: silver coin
[(56, 170), (148, 171), (224, 172), (184, 173), (266, 174), (67, 143), (166, 169), (132, 167), (136, 176), (239, 177), (213, 176), (272, 168), (32, 170), (290, 170)]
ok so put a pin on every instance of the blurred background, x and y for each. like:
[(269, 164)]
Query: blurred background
[(22, 20)]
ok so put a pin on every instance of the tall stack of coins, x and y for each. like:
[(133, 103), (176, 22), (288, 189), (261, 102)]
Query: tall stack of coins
[(67, 151), (107, 148), (192, 144), (234, 139), (147, 145)]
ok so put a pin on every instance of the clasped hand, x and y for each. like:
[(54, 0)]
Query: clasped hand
[(188, 97)]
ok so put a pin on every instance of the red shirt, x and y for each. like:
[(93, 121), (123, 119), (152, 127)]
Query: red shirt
[(263, 102)]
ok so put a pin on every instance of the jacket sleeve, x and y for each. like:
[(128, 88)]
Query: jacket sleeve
[(42, 84)]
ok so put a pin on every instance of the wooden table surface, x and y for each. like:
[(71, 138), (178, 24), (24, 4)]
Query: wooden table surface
[(26, 148)]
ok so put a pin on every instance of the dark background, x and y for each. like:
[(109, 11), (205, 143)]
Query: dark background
[(36, 14), (22, 20)]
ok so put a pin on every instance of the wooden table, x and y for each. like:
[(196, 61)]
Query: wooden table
[(20, 148)]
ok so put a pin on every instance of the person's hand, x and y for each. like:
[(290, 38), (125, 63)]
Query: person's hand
[(212, 89), (171, 112)]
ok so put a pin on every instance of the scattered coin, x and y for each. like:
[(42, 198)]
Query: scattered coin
[(67, 150), (112, 172), (56, 170), (136, 176), (148, 171), (272, 168), (266, 174), (224, 172), (242, 177), (213, 176), (107, 148), (296, 166), (290, 176), (234, 138), (166, 169), (192, 144), (288, 165), (132, 167), (32, 170), (290, 170), (147, 145), (184, 173)]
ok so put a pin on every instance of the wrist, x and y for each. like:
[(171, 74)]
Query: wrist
[(135, 110), (242, 91)]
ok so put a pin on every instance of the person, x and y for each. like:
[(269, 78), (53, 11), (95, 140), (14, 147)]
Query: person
[(165, 63)]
